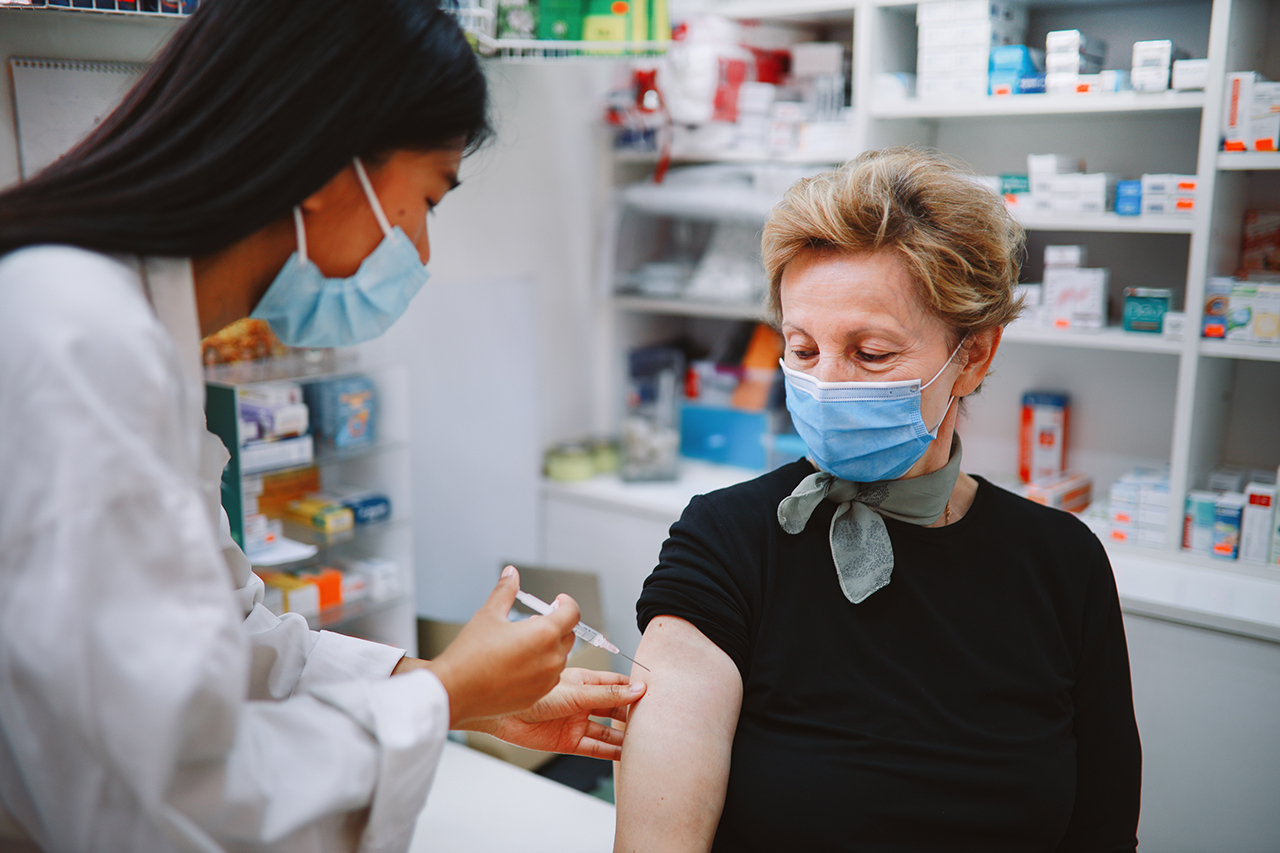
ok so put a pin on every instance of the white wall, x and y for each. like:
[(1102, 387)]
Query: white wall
[(499, 369), (68, 35)]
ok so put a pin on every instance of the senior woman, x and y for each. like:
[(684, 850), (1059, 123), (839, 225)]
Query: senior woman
[(868, 649)]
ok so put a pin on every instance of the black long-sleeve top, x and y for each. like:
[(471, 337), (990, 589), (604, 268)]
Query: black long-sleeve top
[(979, 702)]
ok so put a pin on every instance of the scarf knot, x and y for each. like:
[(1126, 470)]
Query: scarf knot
[(860, 545)]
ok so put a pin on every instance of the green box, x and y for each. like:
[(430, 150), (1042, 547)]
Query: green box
[(1012, 184), (560, 20), (1145, 307)]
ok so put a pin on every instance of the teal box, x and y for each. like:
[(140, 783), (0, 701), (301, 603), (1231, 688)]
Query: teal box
[(1145, 307), (344, 411), (723, 435)]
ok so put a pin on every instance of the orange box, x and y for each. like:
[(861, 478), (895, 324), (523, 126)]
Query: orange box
[(328, 581)]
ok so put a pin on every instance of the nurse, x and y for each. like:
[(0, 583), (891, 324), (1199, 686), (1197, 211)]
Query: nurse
[(279, 160)]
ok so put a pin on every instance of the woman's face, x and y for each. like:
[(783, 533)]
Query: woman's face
[(857, 317), (341, 227)]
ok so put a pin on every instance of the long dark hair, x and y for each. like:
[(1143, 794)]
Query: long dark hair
[(252, 106)]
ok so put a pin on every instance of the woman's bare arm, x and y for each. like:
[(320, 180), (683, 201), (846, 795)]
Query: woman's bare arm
[(675, 761)]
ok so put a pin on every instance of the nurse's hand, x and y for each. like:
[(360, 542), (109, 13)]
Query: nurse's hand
[(559, 721), (495, 666)]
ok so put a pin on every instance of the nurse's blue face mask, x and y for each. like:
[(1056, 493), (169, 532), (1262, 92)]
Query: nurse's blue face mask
[(862, 431), (305, 308)]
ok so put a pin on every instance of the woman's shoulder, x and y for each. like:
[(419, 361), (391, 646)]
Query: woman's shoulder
[(1027, 521), (45, 287), (63, 306)]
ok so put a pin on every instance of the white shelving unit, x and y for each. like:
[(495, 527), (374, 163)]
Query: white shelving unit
[(1138, 399)]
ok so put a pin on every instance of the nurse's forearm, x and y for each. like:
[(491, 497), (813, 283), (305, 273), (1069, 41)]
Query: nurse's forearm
[(675, 761)]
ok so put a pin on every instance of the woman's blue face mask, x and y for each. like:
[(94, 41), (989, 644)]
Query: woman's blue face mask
[(862, 431), (305, 308)]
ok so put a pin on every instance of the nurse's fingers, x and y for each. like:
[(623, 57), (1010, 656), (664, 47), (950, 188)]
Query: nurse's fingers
[(503, 597), (564, 614)]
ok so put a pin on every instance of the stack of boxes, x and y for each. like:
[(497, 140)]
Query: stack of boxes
[(1153, 64), (1235, 518), (1067, 55), (1042, 454), (1043, 171), (1164, 194), (1074, 297), (955, 42), (1139, 507)]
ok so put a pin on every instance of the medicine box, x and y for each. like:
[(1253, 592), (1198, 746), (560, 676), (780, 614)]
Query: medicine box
[(1145, 307), (1264, 117), (1227, 510), (1190, 74), (1260, 249), (1226, 478), (1236, 105), (1043, 436), (1197, 522), (1067, 491), (1064, 256), (1257, 521), (1156, 53), (1075, 42), (343, 411), (1076, 298)]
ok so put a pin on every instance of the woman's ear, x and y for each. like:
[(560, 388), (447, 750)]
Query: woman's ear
[(337, 192), (980, 352)]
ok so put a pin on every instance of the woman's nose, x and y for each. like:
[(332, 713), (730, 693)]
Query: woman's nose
[(833, 370)]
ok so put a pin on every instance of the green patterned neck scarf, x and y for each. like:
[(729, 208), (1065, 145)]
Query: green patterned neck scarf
[(860, 542)]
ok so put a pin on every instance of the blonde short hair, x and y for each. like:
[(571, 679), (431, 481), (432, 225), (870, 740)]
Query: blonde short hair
[(956, 238)]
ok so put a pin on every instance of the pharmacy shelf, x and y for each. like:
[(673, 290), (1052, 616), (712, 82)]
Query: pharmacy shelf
[(791, 10), (1107, 222), (1110, 338), (1248, 160), (699, 201), (689, 308), (538, 50), (1031, 105), (39, 5), (733, 156), (1252, 352)]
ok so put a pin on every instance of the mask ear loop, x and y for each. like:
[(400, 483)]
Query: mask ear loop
[(372, 197), (301, 232), (934, 432)]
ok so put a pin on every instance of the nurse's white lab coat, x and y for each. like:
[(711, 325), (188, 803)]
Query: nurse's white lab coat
[(148, 701)]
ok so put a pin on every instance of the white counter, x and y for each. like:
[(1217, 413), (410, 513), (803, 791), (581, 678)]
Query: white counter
[(479, 803)]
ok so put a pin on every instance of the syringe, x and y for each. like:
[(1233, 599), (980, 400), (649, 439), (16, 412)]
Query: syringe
[(582, 630)]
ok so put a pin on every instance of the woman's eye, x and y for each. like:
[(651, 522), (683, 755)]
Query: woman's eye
[(872, 357), (804, 354)]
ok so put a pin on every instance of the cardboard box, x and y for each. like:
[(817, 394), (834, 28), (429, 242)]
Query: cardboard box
[(1190, 74), (1043, 437), (1076, 298), (1236, 106), (1261, 241), (1075, 42), (1264, 117), (1257, 521)]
